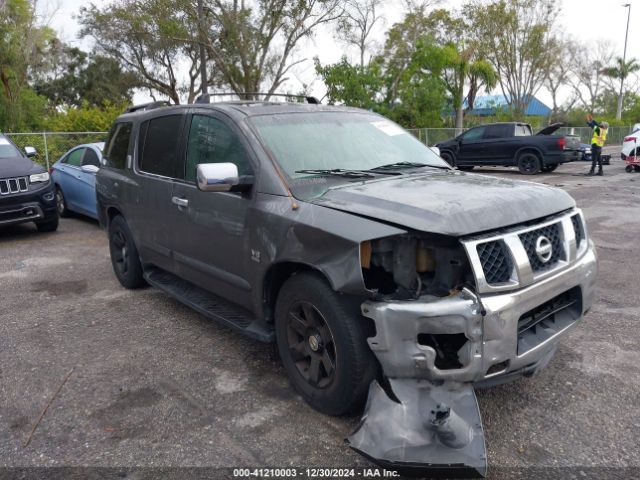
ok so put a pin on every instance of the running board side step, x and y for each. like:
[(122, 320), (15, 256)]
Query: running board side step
[(209, 304)]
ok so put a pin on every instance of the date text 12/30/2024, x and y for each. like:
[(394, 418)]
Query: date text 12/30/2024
[(314, 473)]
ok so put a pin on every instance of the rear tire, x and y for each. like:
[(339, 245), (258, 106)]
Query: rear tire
[(48, 226), (529, 163), (629, 168), (448, 157), (322, 342), (124, 254)]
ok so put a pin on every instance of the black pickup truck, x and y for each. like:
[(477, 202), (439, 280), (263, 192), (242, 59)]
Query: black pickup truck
[(511, 144)]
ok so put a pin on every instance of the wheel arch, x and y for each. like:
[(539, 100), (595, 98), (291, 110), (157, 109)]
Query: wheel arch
[(529, 149), (277, 275), (110, 213)]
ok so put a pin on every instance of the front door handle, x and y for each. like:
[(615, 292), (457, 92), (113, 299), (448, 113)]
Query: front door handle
[(181, 202)]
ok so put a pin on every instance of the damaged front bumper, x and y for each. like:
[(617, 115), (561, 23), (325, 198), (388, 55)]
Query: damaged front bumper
[(435, 350)]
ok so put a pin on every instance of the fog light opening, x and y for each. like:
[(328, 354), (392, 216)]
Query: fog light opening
[(497, 368)]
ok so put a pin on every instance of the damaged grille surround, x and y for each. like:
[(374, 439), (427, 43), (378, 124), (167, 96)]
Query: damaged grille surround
[(487, 317), (564, 236)]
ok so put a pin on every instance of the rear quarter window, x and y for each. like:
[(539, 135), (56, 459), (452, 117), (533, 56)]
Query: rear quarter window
[(117, 147), (160, 148)]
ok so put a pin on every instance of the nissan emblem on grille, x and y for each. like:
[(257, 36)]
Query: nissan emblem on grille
[(544, 249)]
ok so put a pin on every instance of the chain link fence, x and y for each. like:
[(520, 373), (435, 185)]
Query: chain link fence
[(52, 145), (431, 136)]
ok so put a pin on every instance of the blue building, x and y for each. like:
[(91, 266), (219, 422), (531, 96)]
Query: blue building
[(489, 105)]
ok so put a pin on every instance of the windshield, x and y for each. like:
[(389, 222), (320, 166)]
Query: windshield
[(7, 150), (340, 141)]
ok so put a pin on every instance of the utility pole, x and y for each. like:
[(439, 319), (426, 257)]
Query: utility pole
[(203, 58), (623, 74)]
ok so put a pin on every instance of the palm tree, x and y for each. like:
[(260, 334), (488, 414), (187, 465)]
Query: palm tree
[(620, 71)]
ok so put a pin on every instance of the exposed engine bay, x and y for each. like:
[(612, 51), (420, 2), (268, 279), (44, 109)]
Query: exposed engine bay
[(409, 266)]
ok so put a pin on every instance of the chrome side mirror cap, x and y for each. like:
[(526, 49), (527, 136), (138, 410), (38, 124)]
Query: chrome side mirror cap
[(30, 152), (217, 177), (89, 168)]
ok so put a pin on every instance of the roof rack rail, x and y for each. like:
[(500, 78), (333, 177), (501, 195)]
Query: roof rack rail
[(147, 106), (253, 97)]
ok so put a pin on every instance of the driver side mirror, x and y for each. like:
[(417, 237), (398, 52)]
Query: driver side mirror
[(30, 152), (221, 177)]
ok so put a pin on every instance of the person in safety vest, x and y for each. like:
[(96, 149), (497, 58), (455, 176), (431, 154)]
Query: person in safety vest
[(600, 130)]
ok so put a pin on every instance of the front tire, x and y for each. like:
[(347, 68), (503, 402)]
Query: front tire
[(322, 342), (529, 163), (61, 203), (124, 254), (48, 226)]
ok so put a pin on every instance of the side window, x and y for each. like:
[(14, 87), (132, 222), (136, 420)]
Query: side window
[(91, 158), (160, 150), (497, 131), (474, 134), (212, 141), (75, 157), (116, 149)]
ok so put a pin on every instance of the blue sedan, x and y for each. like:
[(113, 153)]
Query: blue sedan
[(74, 176)]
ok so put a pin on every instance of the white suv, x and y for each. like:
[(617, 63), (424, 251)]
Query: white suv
[(631, 142)]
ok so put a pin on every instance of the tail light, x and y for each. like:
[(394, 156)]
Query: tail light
[(50, 170), (629, 139), (562, 142)]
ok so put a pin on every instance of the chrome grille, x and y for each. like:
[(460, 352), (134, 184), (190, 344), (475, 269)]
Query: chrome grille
[(13, 185), (529, 240), (496, 261), (578, 229), (518, 256)]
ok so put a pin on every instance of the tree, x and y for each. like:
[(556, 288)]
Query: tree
[(404, 82), (517, 38), (353, 85), (152, 39), (74, 78), (357, 23), (620, 71), (23, 45), (251, 44), (560, 72), (587, 79), (464, 68)]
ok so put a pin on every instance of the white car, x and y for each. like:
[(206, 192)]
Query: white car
[(631, 142)]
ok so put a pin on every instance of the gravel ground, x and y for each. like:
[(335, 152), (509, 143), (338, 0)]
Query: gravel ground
[(154, 384)]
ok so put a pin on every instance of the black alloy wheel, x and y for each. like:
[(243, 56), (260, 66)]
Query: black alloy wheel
[(529, 163), (124, 254), (311, 344), (61, 203), (322, 342)]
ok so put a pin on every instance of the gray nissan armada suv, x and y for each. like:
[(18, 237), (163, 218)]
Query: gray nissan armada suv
[(388, 279)]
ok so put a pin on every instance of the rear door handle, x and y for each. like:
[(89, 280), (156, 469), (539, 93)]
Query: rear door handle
[(181, 202)]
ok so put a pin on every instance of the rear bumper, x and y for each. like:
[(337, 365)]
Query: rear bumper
[(495, 350), (570, 156), (34, 205)]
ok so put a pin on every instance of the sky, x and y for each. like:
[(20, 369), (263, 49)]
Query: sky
[(588, 21)]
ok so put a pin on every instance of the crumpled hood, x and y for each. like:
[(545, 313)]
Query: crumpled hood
[(448, 202), (18, 167)]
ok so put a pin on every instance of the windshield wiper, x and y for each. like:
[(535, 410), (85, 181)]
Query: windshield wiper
[(391, 166), (339, 172)]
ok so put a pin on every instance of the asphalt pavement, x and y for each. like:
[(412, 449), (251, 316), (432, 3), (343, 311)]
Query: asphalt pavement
[(139, 380)]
